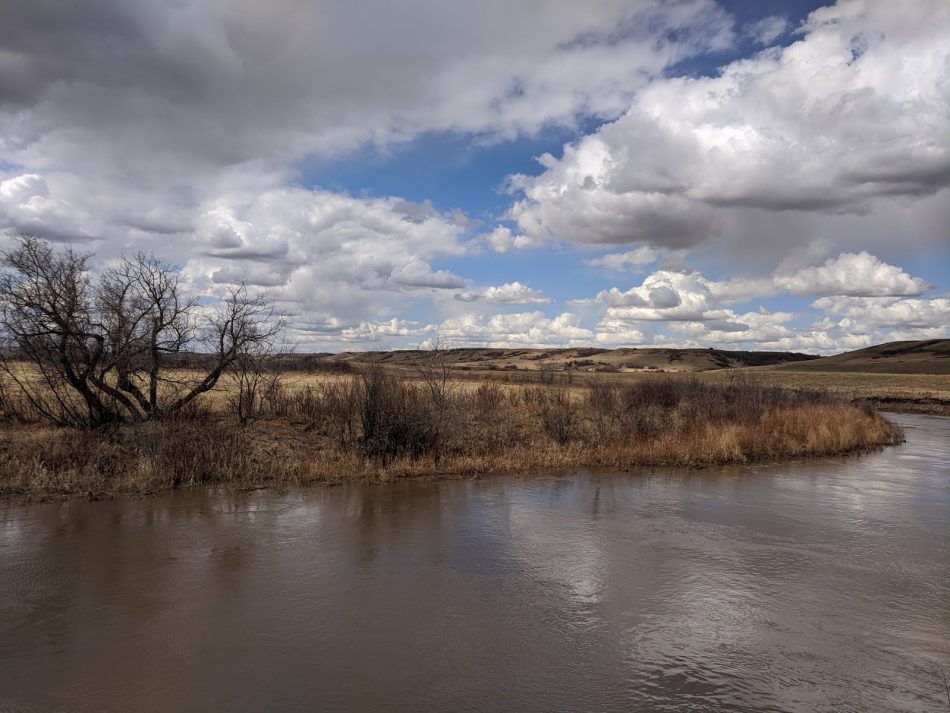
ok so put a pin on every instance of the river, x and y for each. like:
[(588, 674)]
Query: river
[(808, 586)]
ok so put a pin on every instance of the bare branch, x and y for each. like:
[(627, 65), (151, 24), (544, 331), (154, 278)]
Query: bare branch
[(100, 349)]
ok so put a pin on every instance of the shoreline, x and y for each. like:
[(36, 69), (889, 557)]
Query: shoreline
[(293, 460), (923, 405), (599, 470), (380, 424)]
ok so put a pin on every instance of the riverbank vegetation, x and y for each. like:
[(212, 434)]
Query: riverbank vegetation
[(115, 381), (379, 424)]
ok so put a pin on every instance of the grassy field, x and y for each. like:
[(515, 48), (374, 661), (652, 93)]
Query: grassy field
[(578, 359), (381, 423), (920, 392), (931, 356), (905, 376), (901, 392)]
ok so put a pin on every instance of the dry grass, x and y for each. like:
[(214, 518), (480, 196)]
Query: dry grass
[(379, 425), (899, 392)]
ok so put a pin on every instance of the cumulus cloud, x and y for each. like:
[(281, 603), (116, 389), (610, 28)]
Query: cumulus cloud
[(612, 332), (568, 203), (372, 333), (145, 88), (888, 313), (175, 104), (502, 240), (524, 329), (325, 256), (632, 317), (622, 261), (861, 298), (763, 329), (510, 293), (766, 30), (852, 113), (856, 274), (742, 289), (180, 128), (855, 322), (663, 295), (27, 206)]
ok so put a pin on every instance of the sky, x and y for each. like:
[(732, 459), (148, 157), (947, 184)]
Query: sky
[(766, 175)]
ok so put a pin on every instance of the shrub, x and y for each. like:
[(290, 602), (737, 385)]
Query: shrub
[(378, 422), (394, 418), (556, 412)]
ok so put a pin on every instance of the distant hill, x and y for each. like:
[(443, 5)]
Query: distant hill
[(911, 357), (580, 359), (931, 356)]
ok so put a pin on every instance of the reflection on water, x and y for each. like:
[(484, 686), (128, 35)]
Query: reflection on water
[(802, 587)]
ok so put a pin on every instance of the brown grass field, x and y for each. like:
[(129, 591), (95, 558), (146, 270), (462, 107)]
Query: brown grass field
[(899, 376), (381, 423)]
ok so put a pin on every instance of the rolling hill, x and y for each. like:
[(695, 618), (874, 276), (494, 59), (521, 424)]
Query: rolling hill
[(582, 359), (930, 356)]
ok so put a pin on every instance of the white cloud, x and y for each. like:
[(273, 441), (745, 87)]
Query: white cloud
[(133, 124), (619, 333), (27, 206), (663, 295), (371, 333), (179, 128), (147, 88), (763, 329), (742, 289), (502, 240), (856, 322), (694, 308), (856, 274), (416, 273), (766, 30), (622, 261), (679, 310), (889, 313), (851, 114), (510, 293), (524, 329), (332, 261)]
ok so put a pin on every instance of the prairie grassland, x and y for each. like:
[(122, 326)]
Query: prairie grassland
[(901, 391), (378, 425), (904, 390), (897, 392)]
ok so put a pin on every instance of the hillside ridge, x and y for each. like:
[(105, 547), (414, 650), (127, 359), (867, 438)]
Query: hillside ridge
[(588, 359), (927, 356), (930, 356)]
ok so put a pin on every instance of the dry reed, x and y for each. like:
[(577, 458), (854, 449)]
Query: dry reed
[(378, 424)]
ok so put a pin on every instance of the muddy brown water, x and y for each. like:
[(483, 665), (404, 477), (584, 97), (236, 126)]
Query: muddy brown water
[(808, 586)]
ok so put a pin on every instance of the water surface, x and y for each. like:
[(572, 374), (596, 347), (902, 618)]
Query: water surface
[(810, 586)]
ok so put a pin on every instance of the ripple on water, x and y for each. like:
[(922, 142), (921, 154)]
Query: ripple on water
[(808, 586)]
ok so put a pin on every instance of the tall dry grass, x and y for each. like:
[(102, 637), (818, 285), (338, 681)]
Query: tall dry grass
[(379, 424)]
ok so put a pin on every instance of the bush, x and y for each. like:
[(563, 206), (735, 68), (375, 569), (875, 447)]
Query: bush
[(377, 423), (395, 418), (204, 450), (556, 412)]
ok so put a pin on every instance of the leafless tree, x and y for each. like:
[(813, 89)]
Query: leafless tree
[(435, 372), (546, 373), (258, 379), (98, 348)]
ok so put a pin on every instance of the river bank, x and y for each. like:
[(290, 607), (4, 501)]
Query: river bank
[(814, 586), (380, 426)]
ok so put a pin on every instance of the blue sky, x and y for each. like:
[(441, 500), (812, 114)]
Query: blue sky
[(767, 175)]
